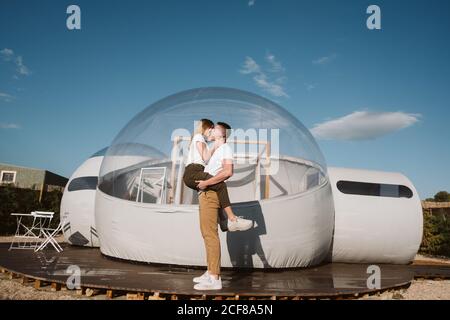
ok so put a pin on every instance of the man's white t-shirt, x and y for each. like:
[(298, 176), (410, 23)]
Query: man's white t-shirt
[(194, 155), (224, 152)]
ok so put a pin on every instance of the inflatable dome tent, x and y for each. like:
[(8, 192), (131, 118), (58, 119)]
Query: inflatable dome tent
[(303, 213), (78, 203), (144, 212), (378, 217)]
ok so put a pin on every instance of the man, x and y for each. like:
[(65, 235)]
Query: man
[(220, 167)]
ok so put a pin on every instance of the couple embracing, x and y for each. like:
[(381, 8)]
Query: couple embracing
[(206, 170)]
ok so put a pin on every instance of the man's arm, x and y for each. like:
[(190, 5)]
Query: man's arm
[(223, 175)]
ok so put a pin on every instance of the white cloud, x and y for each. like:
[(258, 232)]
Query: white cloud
[(364, 125), (276, 65), (310, 86), (273, 83), (251, 3), (21, 69), (325, 59), (7, 54), (9, 126), (250, 66), (6, 97), (271, 87)]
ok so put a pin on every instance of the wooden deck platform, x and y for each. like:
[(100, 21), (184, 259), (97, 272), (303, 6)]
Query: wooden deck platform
[(100, 272)]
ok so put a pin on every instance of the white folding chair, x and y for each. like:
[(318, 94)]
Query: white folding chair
[(50, 238), (48, 233)]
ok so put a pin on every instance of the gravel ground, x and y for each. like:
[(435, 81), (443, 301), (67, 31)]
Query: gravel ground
[(428, 290), (14, 290), (10, 238), (425, 259), (418, 290)]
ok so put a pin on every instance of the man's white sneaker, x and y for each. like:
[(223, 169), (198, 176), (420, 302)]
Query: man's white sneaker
[(202, 278), (209, 284), (240, 224)]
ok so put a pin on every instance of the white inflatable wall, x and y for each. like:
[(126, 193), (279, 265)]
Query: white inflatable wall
[(78, 204), (378, 217), (294, 231)]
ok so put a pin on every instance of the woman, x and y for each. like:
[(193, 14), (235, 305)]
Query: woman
[(198, 156)]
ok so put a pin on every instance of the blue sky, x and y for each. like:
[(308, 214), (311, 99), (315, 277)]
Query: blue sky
[(375, 99)]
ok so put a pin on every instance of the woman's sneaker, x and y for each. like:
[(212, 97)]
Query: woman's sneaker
[(202, 278), (209, 284), (240, 224)]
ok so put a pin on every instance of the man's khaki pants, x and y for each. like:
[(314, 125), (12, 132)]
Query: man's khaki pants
[(209, 212)]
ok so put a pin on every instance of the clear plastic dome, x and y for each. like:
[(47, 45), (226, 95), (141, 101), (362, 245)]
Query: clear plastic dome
[(275, 155)]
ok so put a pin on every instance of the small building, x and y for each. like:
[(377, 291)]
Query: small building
[(31, 178)]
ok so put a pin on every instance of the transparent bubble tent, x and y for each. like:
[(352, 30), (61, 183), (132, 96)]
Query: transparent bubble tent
[(303, 214), (144, 211), (159, 137)]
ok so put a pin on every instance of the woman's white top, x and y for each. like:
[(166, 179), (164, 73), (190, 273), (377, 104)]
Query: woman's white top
[(194, 155)]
